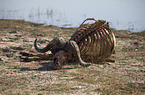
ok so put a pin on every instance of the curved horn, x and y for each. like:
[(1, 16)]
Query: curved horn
[(55, 41), (78, 55)]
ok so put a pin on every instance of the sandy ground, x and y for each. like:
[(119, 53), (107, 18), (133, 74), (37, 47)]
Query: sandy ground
[(126, 76)]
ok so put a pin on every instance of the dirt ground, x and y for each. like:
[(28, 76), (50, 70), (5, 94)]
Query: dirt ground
[(126, 76)]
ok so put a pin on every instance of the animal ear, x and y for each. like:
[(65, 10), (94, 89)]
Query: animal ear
[(76, 51), (52, 43)]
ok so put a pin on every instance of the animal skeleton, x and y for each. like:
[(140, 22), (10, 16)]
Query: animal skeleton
[(93, 42)]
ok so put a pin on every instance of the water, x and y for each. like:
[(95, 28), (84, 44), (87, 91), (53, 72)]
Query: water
[(122, 14)]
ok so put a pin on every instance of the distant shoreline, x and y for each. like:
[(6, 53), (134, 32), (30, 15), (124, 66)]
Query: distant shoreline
[(58, 26)]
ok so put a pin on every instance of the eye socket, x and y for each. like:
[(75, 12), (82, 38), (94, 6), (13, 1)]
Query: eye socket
[(56, 62), (59, 59)]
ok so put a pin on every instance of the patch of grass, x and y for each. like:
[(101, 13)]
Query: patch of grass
[(126, 76)]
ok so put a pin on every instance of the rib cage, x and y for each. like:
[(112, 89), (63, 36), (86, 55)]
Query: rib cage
[(96, 41)]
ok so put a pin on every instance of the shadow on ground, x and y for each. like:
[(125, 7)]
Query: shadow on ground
[(46, 66)]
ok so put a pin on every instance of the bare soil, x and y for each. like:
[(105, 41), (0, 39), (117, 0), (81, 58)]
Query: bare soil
[(126, 76)]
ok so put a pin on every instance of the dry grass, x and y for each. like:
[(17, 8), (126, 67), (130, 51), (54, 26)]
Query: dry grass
[(126, 76)]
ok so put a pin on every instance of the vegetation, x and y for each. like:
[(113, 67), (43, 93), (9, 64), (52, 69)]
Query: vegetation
[(126, 76)]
